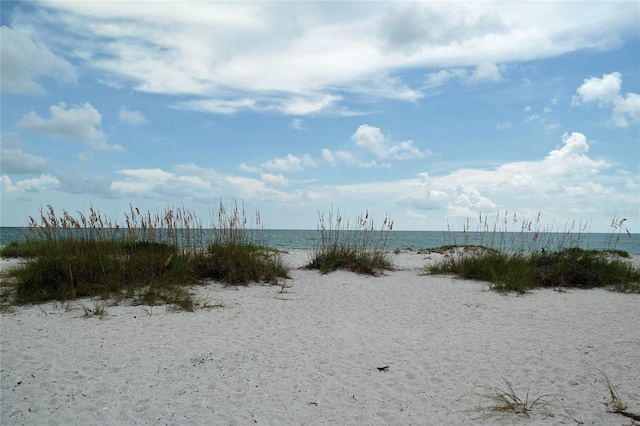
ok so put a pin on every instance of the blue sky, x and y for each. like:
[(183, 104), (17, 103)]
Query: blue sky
[(428, 112)]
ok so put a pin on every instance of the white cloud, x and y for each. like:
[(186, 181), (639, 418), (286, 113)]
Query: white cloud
[(345, 156), (274, 179), (78, 122), (14, 160), (246, 168), (371, 139), (139, 181), (605, 92), (77, 184), (24, 62), (302, 58), (485, 72), (135, 118), (442, 77), (218, 106), (198, 184), (328, 156), (289, 163), (40, 184), (304, 105), (566, 173)]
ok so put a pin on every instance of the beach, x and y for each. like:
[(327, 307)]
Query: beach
[(345, 349)]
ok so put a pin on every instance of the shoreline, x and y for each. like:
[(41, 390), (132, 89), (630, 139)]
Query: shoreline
[(310, 352)]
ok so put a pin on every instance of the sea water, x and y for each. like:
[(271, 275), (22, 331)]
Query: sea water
[(419, 240)]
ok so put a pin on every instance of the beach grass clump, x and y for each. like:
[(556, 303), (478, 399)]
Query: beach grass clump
[(524, 267), (509, 232), (506, 399), (237, 254), (70, 257), (361, 249), (153, 259), (520, 272)]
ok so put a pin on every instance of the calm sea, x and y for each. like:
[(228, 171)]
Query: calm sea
[(417, 240)]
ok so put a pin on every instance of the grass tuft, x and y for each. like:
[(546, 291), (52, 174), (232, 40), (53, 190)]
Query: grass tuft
[(506, 399), (616, 402), (361, 250)]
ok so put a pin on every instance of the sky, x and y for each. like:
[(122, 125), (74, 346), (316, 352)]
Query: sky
[(430, 112)]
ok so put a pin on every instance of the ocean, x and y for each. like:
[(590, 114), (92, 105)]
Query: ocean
[(420, 240)]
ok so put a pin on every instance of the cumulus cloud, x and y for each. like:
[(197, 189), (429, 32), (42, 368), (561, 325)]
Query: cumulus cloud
[(567, 177), (328, 156), (371, 139), (79, 122), (274, 179), (135, 118), (24, 62), (77, 184), (39, 184), (605, 92), (289, 163), (189, 181), (14, 160), (485, 72)]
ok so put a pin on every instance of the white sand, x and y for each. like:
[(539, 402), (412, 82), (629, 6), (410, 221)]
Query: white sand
[(310, 355)]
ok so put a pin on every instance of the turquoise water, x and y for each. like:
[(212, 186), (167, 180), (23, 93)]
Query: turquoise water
[(416, 240)]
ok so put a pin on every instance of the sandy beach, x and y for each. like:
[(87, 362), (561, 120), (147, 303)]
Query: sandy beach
[(341, 348)]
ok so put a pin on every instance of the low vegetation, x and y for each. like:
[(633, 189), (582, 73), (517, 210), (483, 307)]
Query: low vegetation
[(546, 260), (361, 249), (505, 399), (152, 259)]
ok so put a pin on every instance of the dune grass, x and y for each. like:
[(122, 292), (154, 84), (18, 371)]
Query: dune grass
[(542, 259), (361, 249), (506, 399), (616, 403), (153, 259), (236, 255)]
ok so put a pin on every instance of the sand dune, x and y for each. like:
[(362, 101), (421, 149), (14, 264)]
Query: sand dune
[(327, 349)]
